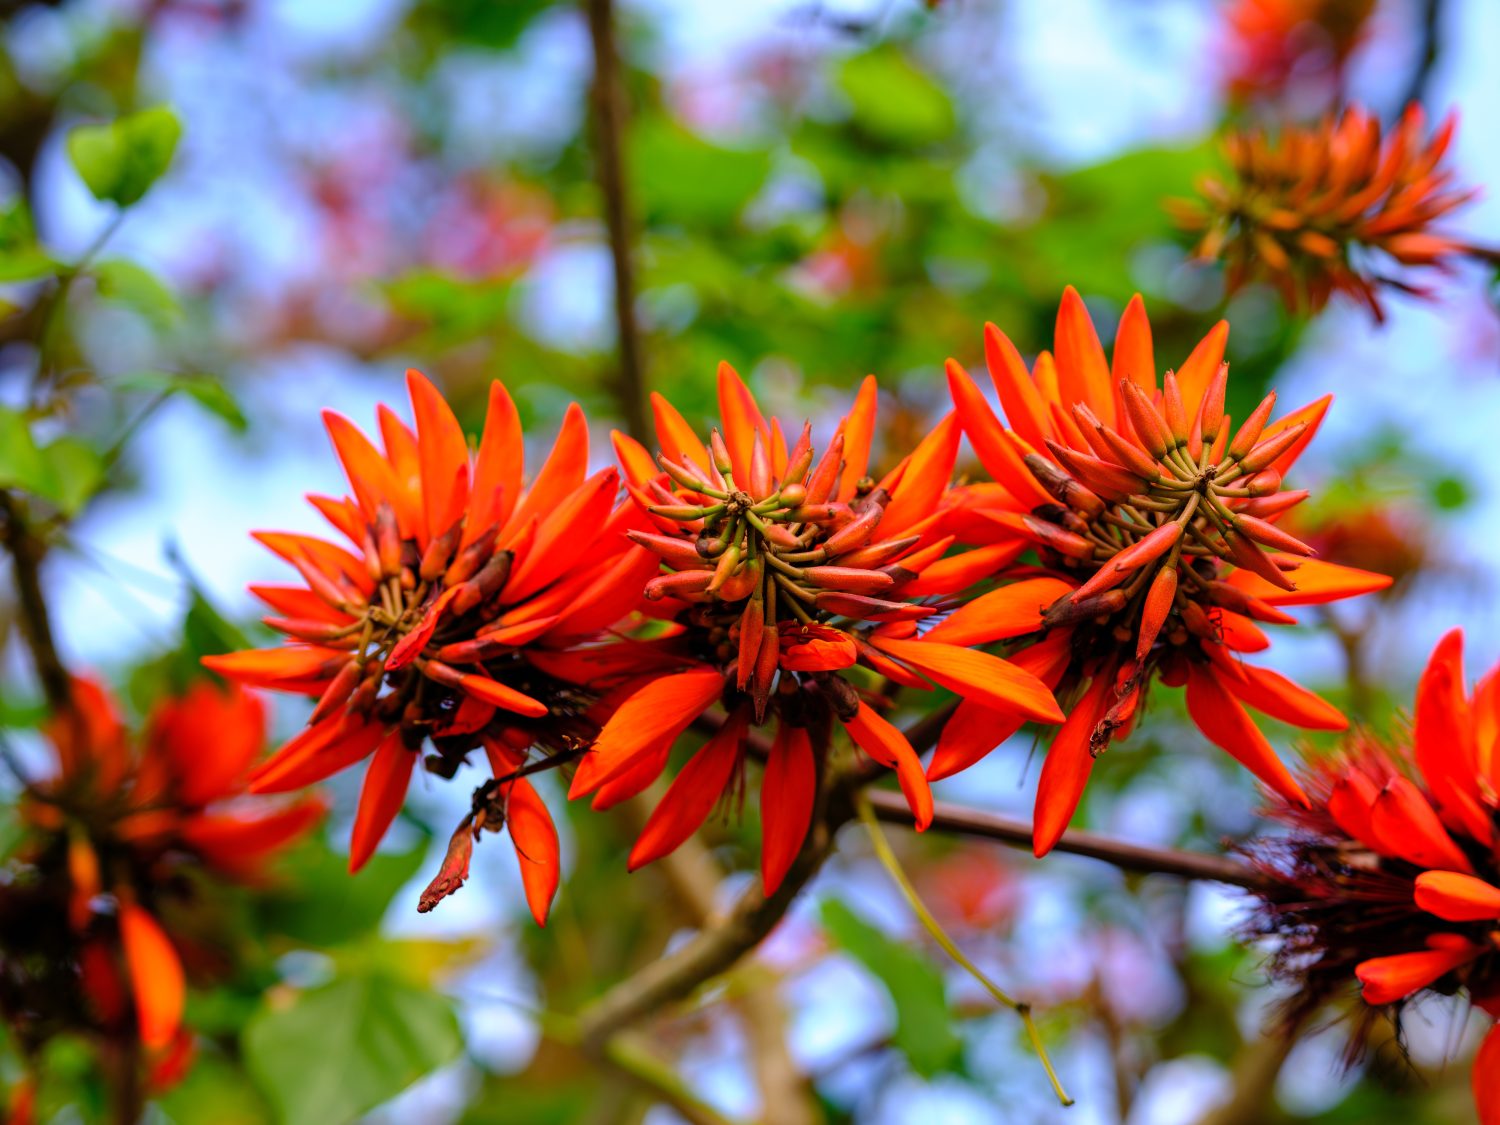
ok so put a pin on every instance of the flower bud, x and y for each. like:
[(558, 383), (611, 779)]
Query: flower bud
[(1064, 542), (1154, 614), (1272, 448)]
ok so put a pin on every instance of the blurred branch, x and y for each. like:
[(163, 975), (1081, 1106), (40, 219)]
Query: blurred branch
[(27, 551), (631, 1059), (1127, 857), (1254, 1079), (715, 949), (1489, 254), (1351, 640), (608, 98), (695, 876), (1429, 22)]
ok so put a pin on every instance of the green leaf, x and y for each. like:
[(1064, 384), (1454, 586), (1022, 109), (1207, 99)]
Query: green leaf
[(205, 390), (482, 22), (21, 464), (75, 472), (214, 1092), (455, 310), (892, 100), (337, 1051), (1450, 493), (207, 632), (924, 1022), (21, 259), (120, 161), (682, 179), (138, 288), (65, 473), (1100, 216)]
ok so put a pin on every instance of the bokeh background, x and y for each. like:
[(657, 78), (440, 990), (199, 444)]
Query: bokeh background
[(816, 191)]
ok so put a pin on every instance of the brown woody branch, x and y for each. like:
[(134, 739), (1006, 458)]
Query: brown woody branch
[(1137, 858), (26, 551), (715, 949), (608, 100)]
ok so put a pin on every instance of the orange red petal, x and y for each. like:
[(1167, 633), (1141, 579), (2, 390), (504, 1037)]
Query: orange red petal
[(1224, 723), (888, 746), (1456, 897), (977, 675), (381, 798), (692, 795), (787, 790), (156, 978)]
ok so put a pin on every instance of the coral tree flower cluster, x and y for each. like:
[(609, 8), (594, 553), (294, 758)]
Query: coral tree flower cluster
[(1331, 208), (1391, 873), (790, 581), (759, 577), (1154, 517), (106, 896), (420, 631)]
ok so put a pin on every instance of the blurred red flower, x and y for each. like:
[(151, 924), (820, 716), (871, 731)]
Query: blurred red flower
[(1272, 44), (1332, 208), (109, 842)]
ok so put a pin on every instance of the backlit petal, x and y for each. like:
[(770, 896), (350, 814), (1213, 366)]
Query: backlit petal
[(1316, 582), (156, 978), (1083, 375), (661, 709), (1066, 767), (381, 798), (787, 789), (1134, 358), (498, 468), (977, 675), (692, 795), (1224, 723), (1388, 979), (1011, 611), (927, 474), (888, 746), (1456, 897), (995, 451), (535, 837), (564, 470), (859, 431)]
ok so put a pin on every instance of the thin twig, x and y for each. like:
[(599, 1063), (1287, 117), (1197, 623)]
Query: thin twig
[(632, 1059), (1429, 24), (1138, 858), (27, 551), (695, 877), (893, 866), (608, 97), (715, 949)]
